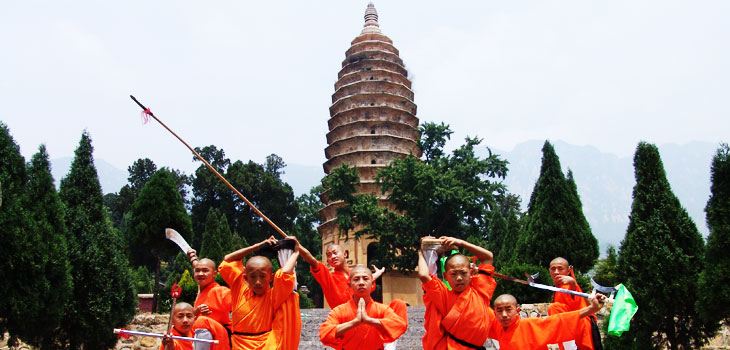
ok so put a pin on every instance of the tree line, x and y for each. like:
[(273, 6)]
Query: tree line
[(76, 257)]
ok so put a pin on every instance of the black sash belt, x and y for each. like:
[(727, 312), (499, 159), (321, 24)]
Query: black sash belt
[(464, 343), (251, 334)]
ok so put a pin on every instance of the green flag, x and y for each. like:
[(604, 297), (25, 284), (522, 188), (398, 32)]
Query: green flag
[(624, 308)]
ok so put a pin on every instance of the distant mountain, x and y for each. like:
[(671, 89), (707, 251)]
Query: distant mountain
[(111, 178), (605, 182)]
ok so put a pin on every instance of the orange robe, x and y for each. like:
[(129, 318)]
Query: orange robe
[(466, 315), (536, 333), (254, 315), (336, 289), (362, 337), (335, 285), (563, 302), (218, 322), (180, 344)]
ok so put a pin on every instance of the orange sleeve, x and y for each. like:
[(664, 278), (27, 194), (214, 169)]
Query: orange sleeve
[(570, 302), (282, 289), (335, 293), (483, 282), (232, 272), (393, 325), (435, 292), (328, 329), (539, 332)]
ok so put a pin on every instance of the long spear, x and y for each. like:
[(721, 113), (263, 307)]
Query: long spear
[(147, 111)]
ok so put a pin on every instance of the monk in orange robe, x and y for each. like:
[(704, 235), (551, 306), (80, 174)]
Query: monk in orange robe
[(182, 324), (256, 303), (588, 338), (514, 333), (335, 284), (213, 304), (459, 318), (361, 323)]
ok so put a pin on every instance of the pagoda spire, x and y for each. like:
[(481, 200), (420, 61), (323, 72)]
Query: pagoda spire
[(371, 20)]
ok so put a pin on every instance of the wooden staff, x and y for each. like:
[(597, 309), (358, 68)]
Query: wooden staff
[(210, 167)]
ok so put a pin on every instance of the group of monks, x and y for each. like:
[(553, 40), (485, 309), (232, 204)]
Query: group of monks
[(260, 308)]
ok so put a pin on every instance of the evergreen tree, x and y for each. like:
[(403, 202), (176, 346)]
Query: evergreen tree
[(55, 287), (504, 229), (103, 297), (142, 280), (22, 274), (157, 207), (555, 224), (659, 261), (216, 238), (713, 302)]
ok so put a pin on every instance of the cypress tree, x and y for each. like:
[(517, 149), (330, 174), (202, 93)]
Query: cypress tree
[(103, 297), (214, 237), (55, 288), (555, 224), (504, 228), (713, 303), (22, 274), (157, 207), (659, 261)]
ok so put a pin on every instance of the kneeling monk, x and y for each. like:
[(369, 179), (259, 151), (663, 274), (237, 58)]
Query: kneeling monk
[(536, 333), (255, 301), (458, 318), (361, 323), (182, 324)]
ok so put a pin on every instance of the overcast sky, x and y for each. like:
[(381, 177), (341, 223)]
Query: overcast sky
[(256, 77)]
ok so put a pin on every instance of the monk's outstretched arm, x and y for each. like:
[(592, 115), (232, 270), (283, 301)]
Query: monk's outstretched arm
[(423, 273), (243, 252), (484, 255), (307, 256)]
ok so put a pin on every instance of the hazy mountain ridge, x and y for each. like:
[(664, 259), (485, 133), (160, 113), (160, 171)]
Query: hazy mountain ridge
[(605, 181)]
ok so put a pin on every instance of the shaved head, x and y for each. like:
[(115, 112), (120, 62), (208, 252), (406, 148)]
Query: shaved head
[(506, 298), (558, 268), (360, 268), (259, 261), (258, 274), (183, 317), (209, 263), (506, 310), (561, 261), (455, 260), (181, 306), (334, 246), (204, 272), (336, 257)]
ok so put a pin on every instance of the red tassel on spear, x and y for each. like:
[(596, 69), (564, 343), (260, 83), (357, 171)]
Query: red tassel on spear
[(175, 292), (146, 112)]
